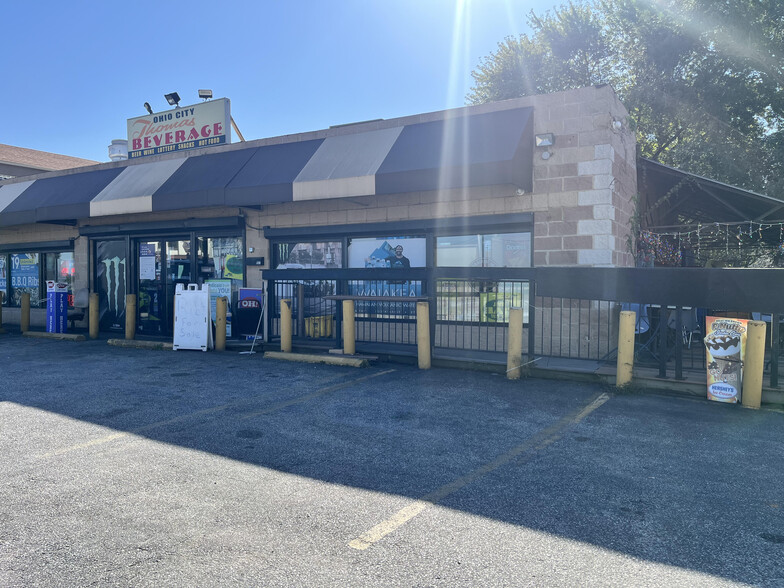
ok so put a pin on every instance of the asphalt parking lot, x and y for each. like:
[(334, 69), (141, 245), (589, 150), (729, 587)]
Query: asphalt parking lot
[(130, 467)]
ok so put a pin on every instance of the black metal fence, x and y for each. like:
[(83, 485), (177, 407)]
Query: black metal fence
[(569, 313)]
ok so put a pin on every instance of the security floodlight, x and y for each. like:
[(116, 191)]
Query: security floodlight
[(173, 98), (148, 107), (206, 94), (545, 140)]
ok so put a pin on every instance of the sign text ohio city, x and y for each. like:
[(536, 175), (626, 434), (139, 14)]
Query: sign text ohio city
[(189, 127)]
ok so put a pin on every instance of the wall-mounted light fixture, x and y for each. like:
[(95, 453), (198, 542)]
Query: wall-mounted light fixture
[(148, 107), (205, 94), (545, 140), (173, 98)]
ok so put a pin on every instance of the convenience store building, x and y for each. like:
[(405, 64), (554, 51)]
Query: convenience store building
[(473, 196)]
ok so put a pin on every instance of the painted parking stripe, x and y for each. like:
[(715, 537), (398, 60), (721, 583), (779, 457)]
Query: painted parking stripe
[(539, 441), (212, 410)]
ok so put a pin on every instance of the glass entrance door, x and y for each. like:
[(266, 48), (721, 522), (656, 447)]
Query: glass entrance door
[(178, 271), (152, 306), (162, 264)]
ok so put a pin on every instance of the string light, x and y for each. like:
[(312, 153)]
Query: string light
[(727, 241), (664, 245)]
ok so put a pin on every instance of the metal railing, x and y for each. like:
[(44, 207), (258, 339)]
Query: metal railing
[(569, 313), (474, 314)]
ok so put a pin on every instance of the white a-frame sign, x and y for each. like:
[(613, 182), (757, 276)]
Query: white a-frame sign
[(192, 322)]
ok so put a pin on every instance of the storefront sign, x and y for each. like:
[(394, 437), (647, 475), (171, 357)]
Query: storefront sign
[(189, 127), (725, 346), (249, 311)]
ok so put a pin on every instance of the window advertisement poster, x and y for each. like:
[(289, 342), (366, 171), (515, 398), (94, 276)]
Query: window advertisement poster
[(409, 288), (3, 278), (147, 261), (25, 274), (392, 252), (24, 270), (234, 267), (725, 341), (220, 288), (386, 252), (495, 306)]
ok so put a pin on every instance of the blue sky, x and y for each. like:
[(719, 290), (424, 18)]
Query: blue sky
[(75, 71)]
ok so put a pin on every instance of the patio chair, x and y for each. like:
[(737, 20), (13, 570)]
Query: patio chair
[(689, 325)]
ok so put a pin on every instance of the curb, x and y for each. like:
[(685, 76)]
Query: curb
[(55, 336), (313, 358), (134, 344)]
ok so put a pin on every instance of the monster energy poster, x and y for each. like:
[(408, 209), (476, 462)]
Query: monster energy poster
[(110, 261)]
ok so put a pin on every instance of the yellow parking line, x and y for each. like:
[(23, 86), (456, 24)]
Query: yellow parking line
[(92, 443), (539, 441), (211, 410)]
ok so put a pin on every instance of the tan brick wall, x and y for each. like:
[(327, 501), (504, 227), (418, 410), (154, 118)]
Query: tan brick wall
[(589, 179)]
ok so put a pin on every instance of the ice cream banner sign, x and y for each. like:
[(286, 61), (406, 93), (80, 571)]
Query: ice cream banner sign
[(725, 344), (187, 127)]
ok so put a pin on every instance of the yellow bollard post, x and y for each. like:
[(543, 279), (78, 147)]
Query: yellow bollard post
[(514, 354), (130, 316), (423, 335), (24, 321), (349, 333), (625, 365), (285, 326), (2, 330), (753, 364), (94, 315), (220, 323)]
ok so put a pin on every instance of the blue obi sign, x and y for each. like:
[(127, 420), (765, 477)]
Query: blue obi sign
[(56, 307)]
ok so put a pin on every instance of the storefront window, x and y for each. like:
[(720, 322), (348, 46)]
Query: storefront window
[(222, 267), (490, 250), (307, 255), (59, 267), (221, 258), (480, 301), (25, 277)]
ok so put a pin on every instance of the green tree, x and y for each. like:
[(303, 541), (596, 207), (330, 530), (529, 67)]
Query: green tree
[(702, 79)]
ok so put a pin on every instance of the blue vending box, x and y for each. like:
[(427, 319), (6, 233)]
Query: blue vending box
[(56, 307)]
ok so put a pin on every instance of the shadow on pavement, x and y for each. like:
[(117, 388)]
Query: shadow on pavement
[(674, 481)]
